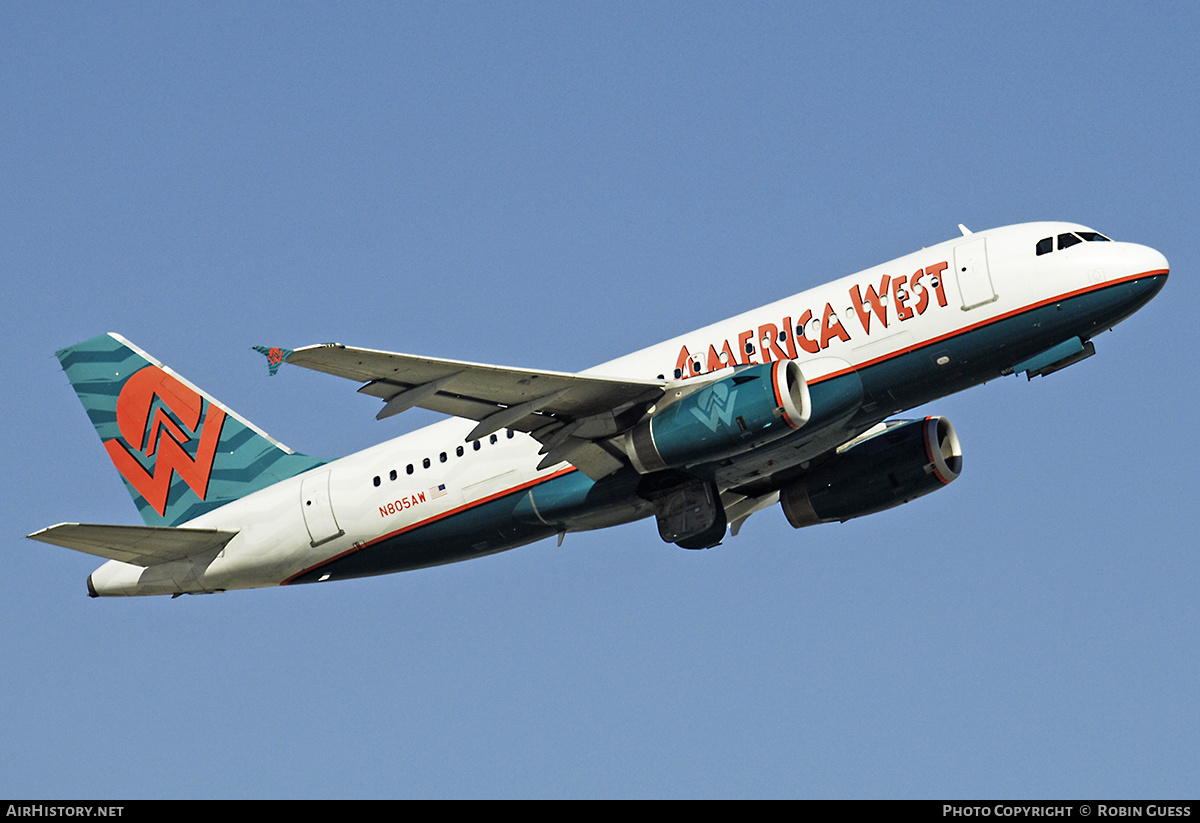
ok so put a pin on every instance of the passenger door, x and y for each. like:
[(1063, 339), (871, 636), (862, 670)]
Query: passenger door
[(971, 269)]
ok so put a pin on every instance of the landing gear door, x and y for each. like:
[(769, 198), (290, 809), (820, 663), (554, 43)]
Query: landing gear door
[(971, 269), (318, 511), (691, 516)]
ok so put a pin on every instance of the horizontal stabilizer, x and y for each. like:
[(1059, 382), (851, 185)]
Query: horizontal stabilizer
[(139, 545)]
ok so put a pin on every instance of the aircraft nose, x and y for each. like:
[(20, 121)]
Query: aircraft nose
[(1143, 272), (1153, 262), (1154, 266)]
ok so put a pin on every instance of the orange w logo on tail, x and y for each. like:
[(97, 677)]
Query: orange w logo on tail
[(161, 438)]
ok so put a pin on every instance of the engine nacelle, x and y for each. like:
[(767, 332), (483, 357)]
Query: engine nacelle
[(753, 406), (902, 463)]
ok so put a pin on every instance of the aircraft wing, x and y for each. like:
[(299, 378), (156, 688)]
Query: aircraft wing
[(138, 545), (568, 413)]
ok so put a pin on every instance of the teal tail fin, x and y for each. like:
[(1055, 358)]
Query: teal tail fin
[(180, 452)]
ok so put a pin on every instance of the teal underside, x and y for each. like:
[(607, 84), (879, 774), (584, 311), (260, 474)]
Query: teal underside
[(891, 386)]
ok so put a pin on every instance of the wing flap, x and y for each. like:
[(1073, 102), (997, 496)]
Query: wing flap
[(474, 386), (138, 545), (570, 414)]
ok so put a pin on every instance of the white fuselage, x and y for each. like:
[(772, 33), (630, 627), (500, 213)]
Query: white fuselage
[(915, 303)]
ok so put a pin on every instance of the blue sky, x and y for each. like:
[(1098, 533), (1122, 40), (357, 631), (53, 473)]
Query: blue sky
[(554, 185)]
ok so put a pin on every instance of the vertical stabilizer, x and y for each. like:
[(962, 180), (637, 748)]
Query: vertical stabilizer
[(180, 452)]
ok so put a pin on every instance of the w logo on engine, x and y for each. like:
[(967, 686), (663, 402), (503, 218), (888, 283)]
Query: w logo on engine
[(167, 429), (714, 405)]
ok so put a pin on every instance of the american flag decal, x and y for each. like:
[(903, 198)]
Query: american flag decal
[(437, 491)]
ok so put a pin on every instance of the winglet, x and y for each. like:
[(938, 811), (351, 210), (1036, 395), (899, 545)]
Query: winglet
[(274, 355)]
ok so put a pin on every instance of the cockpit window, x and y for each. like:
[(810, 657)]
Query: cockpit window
[(1067, 239)]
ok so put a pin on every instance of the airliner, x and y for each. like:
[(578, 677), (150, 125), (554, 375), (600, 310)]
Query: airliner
[(792, 404)]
